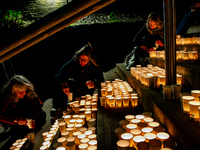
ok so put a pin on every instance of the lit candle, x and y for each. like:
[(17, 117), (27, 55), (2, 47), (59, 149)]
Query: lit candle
[(75, 134), (121, 144), (135, 121), (186, 100), (149, 136), (125, 101), (118, 102), (194, 112), (129, 117), (128, 137), (196, 94), (136, 132), (83, 146), (134, 101), (138, 139), (146, 130), (153, 124), (130, 127), (162, 136)]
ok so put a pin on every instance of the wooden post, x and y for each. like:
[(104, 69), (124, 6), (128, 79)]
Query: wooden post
[(55, 29), (48, 22), (170, 41)]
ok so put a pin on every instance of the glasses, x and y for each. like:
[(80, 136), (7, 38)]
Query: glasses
[(84, 60)]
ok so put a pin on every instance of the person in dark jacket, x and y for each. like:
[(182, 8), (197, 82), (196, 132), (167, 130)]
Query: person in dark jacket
[(20, 106), (149, 38), (80, 76)]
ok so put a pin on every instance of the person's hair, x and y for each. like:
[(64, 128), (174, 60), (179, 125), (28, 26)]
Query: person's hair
[(85, 50), (20, 81), (155, 16)]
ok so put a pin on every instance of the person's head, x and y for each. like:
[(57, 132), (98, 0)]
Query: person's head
[(18, 87), (154, 21), (84, 55)]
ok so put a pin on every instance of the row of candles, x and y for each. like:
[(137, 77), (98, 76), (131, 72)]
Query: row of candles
[(18, 144), (118, 94), (152, 76), (190, 104), (141, 132), (180, 55), (77, 126), (188, 41)]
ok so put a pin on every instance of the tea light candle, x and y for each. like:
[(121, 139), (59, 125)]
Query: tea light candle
[(88, 115), (118, 102), (111, 101), (152, 54), (138, 139), (128, 137), (129, 117), (125, 101), (135, 132), (178, 55), (44, 135), (93, 143), (149, 136), (87, 133), (146, 130), (92, 137), (186, 100), (130, 127), (121, 144), (153, 124), (65, 134), (148, 119), (43, 147), (93, 129), (83, 146), (196, 94), (78, 126), (158, 129), (71, 139), (185, 55), (161, 80), (135, 121), (82, 130), (75, 134), (94, 112), (162, 136), (179, 79), (83, 118), (194, 112), (67, 118), (62, 140), (140, 117), (85, 141), (92, 147), (70, 130), (134, 101)]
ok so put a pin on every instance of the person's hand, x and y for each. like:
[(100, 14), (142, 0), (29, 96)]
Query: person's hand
[(90, 84), (66, 91), (159, 42), (20, 122)]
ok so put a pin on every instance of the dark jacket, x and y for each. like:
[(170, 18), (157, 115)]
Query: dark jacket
[(76, 76), (143, 37), (25, 108)]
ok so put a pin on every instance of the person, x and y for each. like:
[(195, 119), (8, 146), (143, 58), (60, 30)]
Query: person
[(149, 38), (80, 76), (190, 18), (20, 107)]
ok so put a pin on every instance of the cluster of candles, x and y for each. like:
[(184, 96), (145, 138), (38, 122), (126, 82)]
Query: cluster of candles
[(188, 41), (180, 55), (190, 104), (142, 132), (152, 76), (77, 126), (118, 94), (18, 144)]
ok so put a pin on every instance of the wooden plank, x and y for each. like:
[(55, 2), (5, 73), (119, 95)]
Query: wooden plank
[(54, 30), (48, 22)]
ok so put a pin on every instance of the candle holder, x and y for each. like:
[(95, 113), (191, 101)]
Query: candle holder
[(121, 144), (196, 94), (194, 112), (186, 100)]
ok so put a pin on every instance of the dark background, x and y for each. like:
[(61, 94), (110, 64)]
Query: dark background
[(111, 43)]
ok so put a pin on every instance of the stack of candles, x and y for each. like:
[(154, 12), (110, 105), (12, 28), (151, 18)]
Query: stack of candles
[(188, 41), (142, 131), (78, 129), (190, 104), (118, 94), (180, 55), (151, 76), (18, 144)]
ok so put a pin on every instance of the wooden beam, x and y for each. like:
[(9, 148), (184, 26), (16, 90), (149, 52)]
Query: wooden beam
[(55, 29), (48, 22)]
